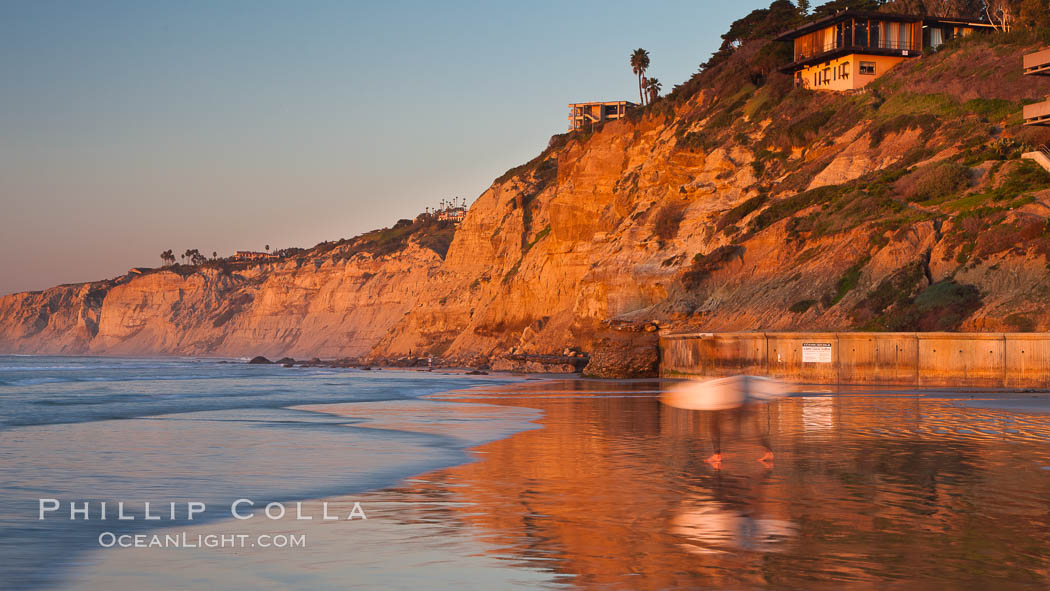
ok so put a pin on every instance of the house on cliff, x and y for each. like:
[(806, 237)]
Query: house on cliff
[(846, 51), (250, 255), (582, 114), (1037, 64), (452, 214)]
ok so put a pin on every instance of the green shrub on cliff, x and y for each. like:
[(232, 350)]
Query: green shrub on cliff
[(918, 104), (788, 206), (1019, 179), (801, 306), (992, 109), (846, 283), (806, 129), (889, 296), (427, 230), (942, 306), (706, 264), (926, 122), (1020, 323), (438, 239), (667, 220), (741, 211), (935, 181), (900, 303)]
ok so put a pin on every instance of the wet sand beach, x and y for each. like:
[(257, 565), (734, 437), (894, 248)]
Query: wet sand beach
[(873, 490)]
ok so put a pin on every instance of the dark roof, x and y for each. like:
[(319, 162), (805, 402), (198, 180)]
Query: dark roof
[(821, 23), (866, 14), (845, 50), (629, 103)]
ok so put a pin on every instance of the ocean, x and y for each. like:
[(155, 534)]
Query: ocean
[(88, 430), (348, 479)]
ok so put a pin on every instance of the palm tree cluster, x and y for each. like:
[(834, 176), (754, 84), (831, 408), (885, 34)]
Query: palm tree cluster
[(652, 89), (194, 256), (648, 88)]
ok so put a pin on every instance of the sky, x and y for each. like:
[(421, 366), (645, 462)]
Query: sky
[(127, 128)]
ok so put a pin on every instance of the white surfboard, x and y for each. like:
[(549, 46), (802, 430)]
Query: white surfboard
[(724, 393)]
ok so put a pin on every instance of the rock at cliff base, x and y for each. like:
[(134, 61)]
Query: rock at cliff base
[(625, 354), (260, 360), (285, 361), (527, 363)]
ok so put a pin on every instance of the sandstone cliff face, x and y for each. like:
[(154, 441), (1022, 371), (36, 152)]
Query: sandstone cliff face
[(60, 320), (322, 307), (734, 207)]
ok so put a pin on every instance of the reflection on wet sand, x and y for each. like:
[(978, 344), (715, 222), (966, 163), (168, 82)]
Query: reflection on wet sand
[(868, 490), (710, 526)]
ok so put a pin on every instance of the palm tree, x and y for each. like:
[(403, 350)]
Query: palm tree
[(639, 63), (652, 88)]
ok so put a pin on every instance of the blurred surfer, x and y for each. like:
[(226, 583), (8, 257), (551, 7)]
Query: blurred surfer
[(729, 399)]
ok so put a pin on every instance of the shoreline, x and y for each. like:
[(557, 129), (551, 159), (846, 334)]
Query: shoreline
[(450, 425), (259, 438), (606, 474)]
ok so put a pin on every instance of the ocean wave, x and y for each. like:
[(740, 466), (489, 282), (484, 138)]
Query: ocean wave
[(35, 381), (86, 367), (76, 380)]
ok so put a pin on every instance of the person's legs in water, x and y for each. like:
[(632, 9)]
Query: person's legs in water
[(714, 425), (762, 428)]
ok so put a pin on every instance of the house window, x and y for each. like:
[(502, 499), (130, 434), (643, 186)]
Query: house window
[(936, 37), (867, 68)]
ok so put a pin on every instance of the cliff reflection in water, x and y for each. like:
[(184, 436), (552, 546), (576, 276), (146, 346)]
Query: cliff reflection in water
[(866, 488)]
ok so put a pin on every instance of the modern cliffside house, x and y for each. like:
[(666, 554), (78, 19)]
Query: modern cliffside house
[(1037, 64), (848, 50), (583, 114), (452, 214), (250, 255)]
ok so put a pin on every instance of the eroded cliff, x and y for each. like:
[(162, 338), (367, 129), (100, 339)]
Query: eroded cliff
[(736, 203)]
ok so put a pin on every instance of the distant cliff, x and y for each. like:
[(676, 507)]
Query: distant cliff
[(736, 203)]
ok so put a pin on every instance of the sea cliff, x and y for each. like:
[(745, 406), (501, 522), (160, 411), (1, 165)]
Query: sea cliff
[(738, 202)]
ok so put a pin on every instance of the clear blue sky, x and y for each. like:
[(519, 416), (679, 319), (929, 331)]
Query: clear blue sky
[(130, 127)]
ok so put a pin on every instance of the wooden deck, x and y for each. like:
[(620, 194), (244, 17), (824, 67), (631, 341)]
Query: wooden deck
[(1038, 113), (1038, 63)]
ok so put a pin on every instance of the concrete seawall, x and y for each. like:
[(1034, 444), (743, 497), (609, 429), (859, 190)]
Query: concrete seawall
[(994, 360)]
